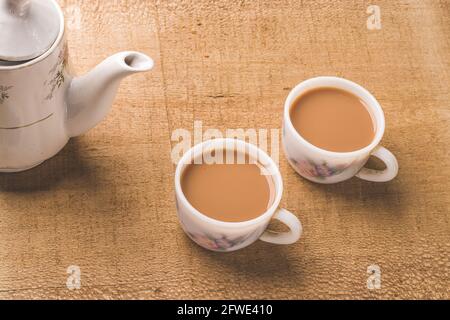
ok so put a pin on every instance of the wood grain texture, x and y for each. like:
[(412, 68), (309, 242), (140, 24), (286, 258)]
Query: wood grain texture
[(106, 202)]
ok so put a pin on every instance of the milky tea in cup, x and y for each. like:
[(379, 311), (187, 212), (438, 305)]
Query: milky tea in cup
[(333, 119), (331, 126), (227, 193)]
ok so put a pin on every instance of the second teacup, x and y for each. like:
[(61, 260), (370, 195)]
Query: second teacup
[(323, 166)]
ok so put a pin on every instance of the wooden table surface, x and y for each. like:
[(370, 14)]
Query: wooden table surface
[(106, 202)]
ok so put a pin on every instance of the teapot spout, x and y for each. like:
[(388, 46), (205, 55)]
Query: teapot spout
[(91, 96)]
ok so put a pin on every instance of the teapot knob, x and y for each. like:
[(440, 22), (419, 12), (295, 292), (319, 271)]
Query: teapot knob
[(18, 7)]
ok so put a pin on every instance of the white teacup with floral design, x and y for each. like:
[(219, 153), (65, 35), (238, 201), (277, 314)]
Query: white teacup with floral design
[(223, 236), (322, 166)]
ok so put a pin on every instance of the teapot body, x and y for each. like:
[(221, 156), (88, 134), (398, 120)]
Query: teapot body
[(33, 107)]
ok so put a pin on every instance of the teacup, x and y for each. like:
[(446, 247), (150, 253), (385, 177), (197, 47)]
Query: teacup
[(323, 166), (224, 236)]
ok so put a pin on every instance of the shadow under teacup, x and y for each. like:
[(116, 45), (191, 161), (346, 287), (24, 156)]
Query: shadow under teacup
[(223, 236), (323, 166)]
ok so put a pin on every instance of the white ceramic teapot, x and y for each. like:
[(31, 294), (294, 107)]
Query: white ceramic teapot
[(41, 105)]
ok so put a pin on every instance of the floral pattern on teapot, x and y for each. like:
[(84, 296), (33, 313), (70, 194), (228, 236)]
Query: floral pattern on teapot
[(4, 94), (56, 74)]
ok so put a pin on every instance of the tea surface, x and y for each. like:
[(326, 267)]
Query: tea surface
[(228, 192), (333, 119)]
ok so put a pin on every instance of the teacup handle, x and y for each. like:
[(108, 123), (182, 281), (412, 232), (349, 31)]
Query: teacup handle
[(385, 175), (289, 237)]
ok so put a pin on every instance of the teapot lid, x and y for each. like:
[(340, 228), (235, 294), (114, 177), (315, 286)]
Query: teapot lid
[(28, 28)]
